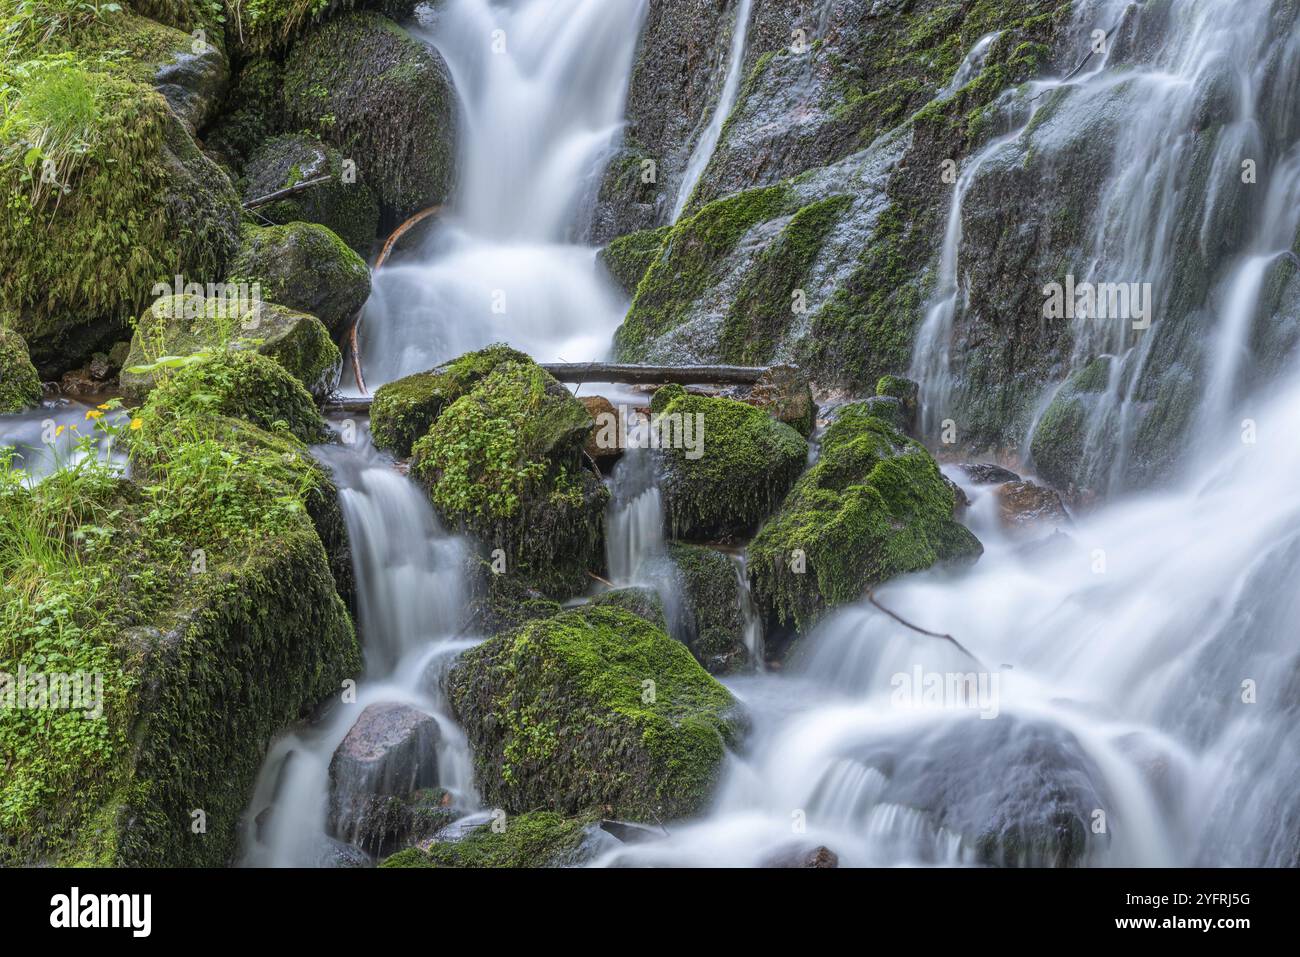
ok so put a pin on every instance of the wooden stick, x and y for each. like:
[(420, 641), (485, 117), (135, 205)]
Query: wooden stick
[(871, 597), (356, 320), (633, 374), (287, 191)]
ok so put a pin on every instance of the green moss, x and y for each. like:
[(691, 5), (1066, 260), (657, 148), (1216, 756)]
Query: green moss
[(709, 590), (1059, 442), (628, 257), (306, 267), (535, 839), (403, 410), (761, 313), (177, 326), (260, 26), (561, 717), (77, 266), (665, 395), (253, 112), (20, 386), (242, 385), (365, 86), (693, 259), (504, 462), (874, 506), (749, 462)]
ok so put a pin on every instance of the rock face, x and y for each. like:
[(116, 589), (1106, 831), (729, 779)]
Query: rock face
[(640, 601), (742, 464), (504, 462), (20, 386), (560, 716), (305, 267), (349, 209), (705, 604), (391, 752), (874, 506), (186, 325), (384, 100)]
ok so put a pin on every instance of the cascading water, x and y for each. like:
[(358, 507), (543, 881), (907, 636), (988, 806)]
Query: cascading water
[(409, 577), (542, 83), (708, 140)]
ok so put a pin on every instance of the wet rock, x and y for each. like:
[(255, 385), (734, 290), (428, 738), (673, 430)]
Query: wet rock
[(383, 99), (1024, 505), (390, 752), (558, 715), (604, 444), (875, 505), (628, 833), (986, 473), (628, 257), (338, 854), (194, 83), (802, 856), (784, 393), (305, 267), (740, 466), (20, 386), (348, 208), (642, 602), (502, 601), (705, 605)]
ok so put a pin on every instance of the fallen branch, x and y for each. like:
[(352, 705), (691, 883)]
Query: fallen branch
[(603, 581), (384, 253), (631, 374), (287, 191), (871, 597)]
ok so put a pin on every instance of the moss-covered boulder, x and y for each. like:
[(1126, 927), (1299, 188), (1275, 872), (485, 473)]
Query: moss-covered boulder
[(707, 607), (82, 252), (385, 100), (348, 208), (743, 463), (187, 325), (244, 385), (306, 267), (504, 462), (499, 601), (874, 506), (252, 113), (403, 410), (20, 386), (207, 604), (535, 839), (593, 708)]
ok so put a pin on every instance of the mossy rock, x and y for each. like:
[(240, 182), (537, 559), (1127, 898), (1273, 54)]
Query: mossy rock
[(349, 209), (253, 111), (403, 410), (874, 506), (640, 601), (243, 385), (1059, 443), (80, 265), (209, 607), (20, 386), (500, 602), (535, 839), (694, 257), (748, 463), (176, 326), (385, 100), (504, 463), (708, 607), (306, 267), (560, 717), (629, 257)]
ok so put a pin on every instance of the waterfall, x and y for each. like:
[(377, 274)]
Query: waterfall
[(635, 527), (708, 140), (409, 594), (542, 85)]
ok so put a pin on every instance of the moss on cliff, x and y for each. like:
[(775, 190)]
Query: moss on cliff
[(20, 386)]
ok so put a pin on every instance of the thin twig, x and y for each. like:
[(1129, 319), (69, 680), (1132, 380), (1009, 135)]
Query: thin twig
[(287, 191), (871, 597)]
